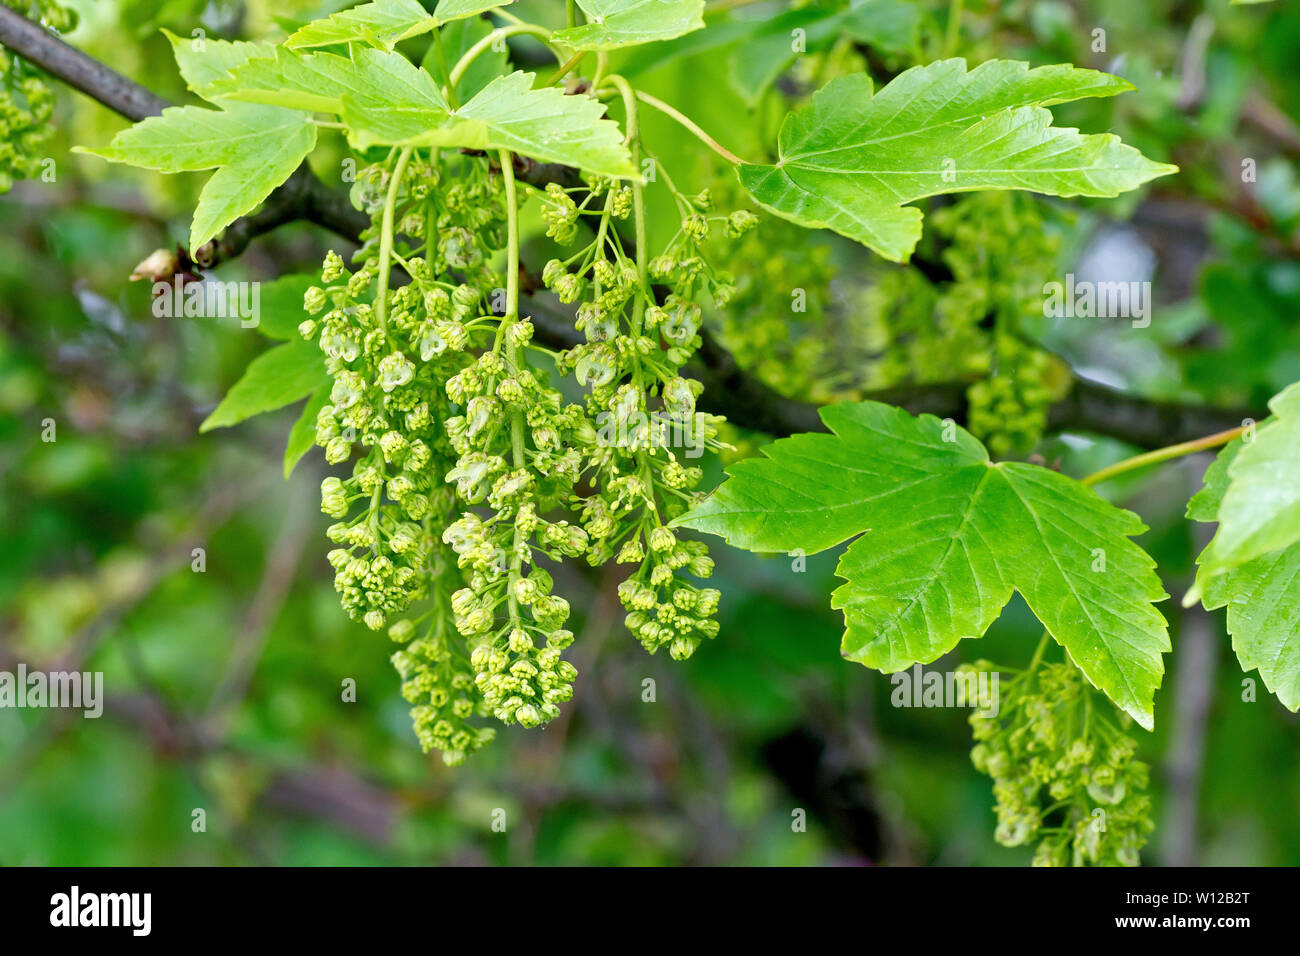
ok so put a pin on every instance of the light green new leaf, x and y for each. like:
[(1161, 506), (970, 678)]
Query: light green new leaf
[(619, 23), (385, 23), (851, 159), (255, 148), (315, 82), (949, 536), (1263, 601), (279, 376), (400, 104), (1260, 508), (302, 436), (1262, 595), (205, 62), (409, 110)]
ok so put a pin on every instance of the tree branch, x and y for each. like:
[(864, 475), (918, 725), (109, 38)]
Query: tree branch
[(729, 389), (42, 47), (301, 197)]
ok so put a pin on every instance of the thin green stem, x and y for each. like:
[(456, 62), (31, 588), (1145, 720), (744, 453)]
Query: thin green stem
[(512, 351), (497, 35), (1038, 653), (386, 237), (690, 125), (563, 71), (638, 199), (1164, 454)]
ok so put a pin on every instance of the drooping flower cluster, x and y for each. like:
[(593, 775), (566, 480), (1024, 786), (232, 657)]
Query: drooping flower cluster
[(469, 467), (516, 456), (386, 401), (648, 430), (391, 353), (1063, 771)]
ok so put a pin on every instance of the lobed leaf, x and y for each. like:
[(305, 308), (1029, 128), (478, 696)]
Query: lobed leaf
[(852, 158), (508, 113), (619, 23), (385, 23), (1262, 595), (255, 148), (948, 536), (205, 62), (315, 82), (1259, 503)]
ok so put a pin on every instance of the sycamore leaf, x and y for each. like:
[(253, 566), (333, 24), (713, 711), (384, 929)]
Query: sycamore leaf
[(302, 436), (1262, 595), (1259, 510), (408, 109), (205, 62), (1263, 601), (402, 102), (315, 82), (279, 376), (949, 536), (385, 23), (618, 23), (255, 148), (853, 158)]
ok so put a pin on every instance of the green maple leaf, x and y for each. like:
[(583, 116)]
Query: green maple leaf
[(386, 100), (1262, 595), (409, 110), (853, 158), (949, 536), (279, 376), (1263, 601), (619, 23), (254, 149), (1259, 491), (385, 23), (205, 63), (314, 82)]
